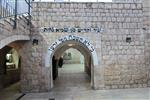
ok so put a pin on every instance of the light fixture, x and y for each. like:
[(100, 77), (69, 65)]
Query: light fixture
[(35, 42), (128, 39), (70, 45)]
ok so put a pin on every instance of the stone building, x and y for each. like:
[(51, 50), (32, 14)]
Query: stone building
[(112, 37)]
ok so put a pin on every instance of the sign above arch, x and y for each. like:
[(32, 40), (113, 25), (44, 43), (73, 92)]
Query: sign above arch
[(75, 38), (72, 30)]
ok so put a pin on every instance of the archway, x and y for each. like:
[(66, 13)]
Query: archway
[(11, 39), (72, 41), (10, 68), (76, 69)]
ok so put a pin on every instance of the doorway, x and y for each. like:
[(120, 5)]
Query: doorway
[(79, 43), (10, 65), (75, 72)]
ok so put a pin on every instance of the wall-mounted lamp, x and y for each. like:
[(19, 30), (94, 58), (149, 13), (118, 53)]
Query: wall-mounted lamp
[(128, 39), (144, 28), (70, 45), (35, 42)]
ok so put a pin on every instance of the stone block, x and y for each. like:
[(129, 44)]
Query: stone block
[(127, 6), (114, 86), (108, 6), (144, 85), (120, 6), (133, 6), (107, 87), (134, 85), (127, 86), (148, 83), (121, 86)]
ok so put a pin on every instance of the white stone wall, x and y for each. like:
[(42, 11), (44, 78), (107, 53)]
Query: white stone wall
[(8, 34), (146, 30), (121, 63), (15, 38), (127, 1)]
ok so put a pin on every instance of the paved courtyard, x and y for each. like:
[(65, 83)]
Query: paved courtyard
[(118, 94), (74, 84)]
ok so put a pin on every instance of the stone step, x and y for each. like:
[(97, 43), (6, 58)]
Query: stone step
[(7, 23)]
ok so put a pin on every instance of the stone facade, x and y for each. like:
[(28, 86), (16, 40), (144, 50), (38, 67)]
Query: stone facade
[(127, 1), (146, 30), (121, 45), (8, 34), (11, 38)]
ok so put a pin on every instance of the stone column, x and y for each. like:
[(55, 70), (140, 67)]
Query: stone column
[(146, 30)]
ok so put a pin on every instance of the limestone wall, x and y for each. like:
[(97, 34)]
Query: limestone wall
[(8, 34), (120, 47), (127, 1), (146, 30), (35, 77)]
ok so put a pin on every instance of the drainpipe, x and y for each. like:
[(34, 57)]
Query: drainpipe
[(15, 21), (29, 14)]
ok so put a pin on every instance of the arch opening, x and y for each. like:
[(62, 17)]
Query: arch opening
[(10, 68), (11, 39), (84, 47), (75, 70)]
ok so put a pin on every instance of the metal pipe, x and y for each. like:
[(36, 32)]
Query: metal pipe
[(29, 14), (15, 17), (1, 11)]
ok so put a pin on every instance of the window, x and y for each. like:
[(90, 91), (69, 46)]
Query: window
[(12, 60), (9, 61)]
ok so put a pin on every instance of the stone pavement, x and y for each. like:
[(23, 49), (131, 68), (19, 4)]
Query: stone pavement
[(116, 94), (74, 84), (11, 93)]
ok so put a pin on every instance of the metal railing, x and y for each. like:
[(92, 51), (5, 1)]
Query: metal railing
[(7, 8), (14, 8), (72, 0)]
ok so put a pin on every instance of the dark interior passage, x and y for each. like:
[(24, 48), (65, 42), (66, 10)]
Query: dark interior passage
[(9, 66), (70, 77), (75, 71)]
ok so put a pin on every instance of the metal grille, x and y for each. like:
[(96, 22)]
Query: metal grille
[(13, 7), (7, 8), (72, 0)]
